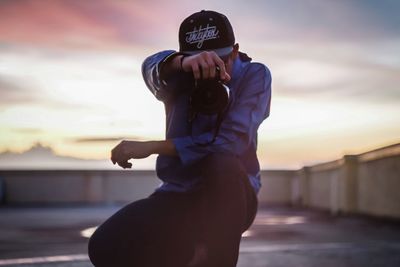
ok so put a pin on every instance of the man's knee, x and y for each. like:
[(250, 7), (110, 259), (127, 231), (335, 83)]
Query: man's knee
[(99, 249), (93, 249)]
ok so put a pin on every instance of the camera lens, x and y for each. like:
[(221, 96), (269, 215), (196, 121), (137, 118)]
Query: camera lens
[(209, 97)]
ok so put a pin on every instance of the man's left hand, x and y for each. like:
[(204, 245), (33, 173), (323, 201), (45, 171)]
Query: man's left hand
[(127, 150)]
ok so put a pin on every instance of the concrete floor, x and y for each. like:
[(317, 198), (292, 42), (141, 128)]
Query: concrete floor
[(38, 236)]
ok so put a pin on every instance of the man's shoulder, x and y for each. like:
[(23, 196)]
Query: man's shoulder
[(256, 69), (255, 78), (253, 67)]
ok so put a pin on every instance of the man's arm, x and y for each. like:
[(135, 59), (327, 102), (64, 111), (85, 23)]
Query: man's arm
[(236, 131), (157, 70), (161, 70), (238, 128), (151, 75), (127, 150)]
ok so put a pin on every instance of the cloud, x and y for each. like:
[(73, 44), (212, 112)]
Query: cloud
[(12, 93), (383, 13), (358, 82), (58, 78), (143, 24), (17, 93), (28, 131), (345, 71), (105, 139), (138, 22), (317, 21), (73, 66), (74, 23)]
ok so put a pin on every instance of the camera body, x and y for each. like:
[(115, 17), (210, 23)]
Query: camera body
[(209, 97)]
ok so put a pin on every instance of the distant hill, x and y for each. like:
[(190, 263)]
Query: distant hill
[(43, 157)]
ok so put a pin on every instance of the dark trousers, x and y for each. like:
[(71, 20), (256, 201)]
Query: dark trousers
[(198, 228)]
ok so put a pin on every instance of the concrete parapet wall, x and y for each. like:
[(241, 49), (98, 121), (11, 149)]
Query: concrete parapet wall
[(320, 190), (77, 186), (276, 187), (379, 194), (368, 183)]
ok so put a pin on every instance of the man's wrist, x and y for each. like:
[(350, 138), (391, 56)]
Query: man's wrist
[(175, 64), (171, 64), (164, 147)]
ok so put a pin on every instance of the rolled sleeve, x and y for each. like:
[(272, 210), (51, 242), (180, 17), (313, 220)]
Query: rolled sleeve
[(186, 149), (151, 71)]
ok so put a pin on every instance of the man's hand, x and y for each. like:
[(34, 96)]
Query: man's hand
[(204, 66), (127, 150)]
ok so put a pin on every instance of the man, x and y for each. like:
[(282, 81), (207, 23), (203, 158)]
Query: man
[(208, 163)]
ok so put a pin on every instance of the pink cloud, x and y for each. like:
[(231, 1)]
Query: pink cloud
[(63, 22)]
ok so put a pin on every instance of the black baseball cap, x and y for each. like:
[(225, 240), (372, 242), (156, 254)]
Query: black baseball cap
[(204, 31)]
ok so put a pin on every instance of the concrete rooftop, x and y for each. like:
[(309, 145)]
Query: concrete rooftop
[(38, 236)]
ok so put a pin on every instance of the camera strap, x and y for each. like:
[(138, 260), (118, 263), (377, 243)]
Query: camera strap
[(216, 130), (218, 110)]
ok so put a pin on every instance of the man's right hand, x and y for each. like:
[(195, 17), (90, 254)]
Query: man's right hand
[(204, 65)]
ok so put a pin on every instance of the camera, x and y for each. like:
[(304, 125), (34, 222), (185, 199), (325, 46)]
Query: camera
[(209, 97)]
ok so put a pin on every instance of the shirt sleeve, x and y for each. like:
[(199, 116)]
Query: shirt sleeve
[(151, 71), (240, 124)]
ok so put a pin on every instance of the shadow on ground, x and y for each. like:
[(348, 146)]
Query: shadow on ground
[(280, 236)]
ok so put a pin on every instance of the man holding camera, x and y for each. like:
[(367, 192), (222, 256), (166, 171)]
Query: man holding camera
[(215, 99)]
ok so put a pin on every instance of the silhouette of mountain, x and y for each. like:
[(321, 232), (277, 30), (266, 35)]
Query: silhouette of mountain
[(43, 157)]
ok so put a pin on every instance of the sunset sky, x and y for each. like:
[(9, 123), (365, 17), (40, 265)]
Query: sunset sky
[(70, 73)]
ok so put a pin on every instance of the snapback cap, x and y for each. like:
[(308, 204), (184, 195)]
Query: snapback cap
[(206, 31)]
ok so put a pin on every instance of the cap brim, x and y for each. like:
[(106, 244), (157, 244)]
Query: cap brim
[(220, 51)]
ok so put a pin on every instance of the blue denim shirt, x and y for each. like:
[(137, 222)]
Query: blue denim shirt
[(249, 105)]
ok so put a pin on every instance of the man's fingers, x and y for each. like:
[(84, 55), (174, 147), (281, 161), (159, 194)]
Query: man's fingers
[(205, 64), (211, 67), (116, 154), (205, 69), (221, 65), (196, 71), (124, 164), (113, 157), (227, 77)]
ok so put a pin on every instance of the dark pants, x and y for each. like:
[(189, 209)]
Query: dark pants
[(198, 228)]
